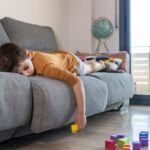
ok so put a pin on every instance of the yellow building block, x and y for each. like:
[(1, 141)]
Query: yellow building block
[(74, 128)]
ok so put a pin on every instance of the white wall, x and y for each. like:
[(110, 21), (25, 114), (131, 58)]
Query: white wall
[(53, 13), (70, 19), (80, 25), (82, 13), (106, 8)]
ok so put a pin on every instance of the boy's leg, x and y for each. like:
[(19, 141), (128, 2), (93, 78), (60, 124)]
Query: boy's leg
[(96, 66), (86, 68)]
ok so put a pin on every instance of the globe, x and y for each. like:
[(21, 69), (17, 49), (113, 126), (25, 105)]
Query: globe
[(102, 28)]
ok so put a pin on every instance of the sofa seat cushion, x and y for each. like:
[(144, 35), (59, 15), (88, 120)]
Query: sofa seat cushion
[(96, 94), (120, 85), (15, 101), (54, 102)]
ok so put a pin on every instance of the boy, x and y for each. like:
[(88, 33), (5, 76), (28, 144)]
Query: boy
[(59, 65)]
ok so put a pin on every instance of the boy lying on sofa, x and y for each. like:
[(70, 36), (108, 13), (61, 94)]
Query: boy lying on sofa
[(59, 65)]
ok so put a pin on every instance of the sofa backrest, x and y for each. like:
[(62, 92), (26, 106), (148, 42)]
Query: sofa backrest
[(29, 36), (3, 36)]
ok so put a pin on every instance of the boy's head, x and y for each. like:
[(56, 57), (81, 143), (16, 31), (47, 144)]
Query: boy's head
[(15, 59)]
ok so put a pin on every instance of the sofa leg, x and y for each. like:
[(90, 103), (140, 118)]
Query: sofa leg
[(124, 107)]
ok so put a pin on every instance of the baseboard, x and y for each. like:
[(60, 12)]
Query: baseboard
[(140, 100)]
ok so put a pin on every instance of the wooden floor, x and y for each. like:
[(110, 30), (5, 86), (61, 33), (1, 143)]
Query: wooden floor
[(99, 128)]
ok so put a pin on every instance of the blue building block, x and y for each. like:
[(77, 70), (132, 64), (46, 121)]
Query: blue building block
[(143, 134)]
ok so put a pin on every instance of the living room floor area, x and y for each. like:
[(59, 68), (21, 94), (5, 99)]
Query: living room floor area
[(99, 128)]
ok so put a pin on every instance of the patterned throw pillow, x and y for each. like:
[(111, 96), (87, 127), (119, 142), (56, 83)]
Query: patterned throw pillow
[(112, 64)]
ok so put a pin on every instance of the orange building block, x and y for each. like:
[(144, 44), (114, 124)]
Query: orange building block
[(126, 147)]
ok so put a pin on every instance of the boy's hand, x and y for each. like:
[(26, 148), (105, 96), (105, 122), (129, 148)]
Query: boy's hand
[(81, 121)]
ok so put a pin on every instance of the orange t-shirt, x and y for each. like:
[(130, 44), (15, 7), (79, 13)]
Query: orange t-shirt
[(59, 65)]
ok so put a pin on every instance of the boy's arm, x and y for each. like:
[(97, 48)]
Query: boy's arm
[(59, 74), (80, 100), (76, 83)]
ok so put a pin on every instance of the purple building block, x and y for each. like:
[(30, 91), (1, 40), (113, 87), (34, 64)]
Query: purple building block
[(114, 138), (136, 145), (144, 142), (119, 136), (143, 137)]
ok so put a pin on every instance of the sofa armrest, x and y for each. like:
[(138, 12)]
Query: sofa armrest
[(15, 100)]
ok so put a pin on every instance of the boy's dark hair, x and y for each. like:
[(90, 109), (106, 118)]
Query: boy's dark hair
[(10, 57)]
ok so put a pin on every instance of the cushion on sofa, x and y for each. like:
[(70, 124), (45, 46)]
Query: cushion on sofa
[(29, 36), (119, 85), (96, 94), (54, 102), (15, 101)]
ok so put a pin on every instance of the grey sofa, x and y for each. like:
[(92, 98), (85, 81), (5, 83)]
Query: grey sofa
[(36, 104)]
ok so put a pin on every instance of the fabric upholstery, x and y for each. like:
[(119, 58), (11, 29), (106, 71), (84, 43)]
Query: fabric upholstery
[(15, 100), (29, 36), (54, 102), (6, 134), (38, 104), (120, 85), (3, 36)]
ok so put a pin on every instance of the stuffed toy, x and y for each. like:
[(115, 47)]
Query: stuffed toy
[(112, 64)]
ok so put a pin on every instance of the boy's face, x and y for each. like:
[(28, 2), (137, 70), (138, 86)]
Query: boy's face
[(26, 68)]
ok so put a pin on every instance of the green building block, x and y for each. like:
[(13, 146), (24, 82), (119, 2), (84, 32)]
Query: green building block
[(122, 141)]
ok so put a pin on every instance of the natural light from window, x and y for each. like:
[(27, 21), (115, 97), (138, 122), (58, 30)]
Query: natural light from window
[(140, 23), (140, 45)]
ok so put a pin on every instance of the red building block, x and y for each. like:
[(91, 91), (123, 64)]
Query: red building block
[(109, 143)]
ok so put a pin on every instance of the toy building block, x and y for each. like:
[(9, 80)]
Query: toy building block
[(114, 138), (74, 128), (119, 136), (143, 134), (112, 148), (136, 145), (144, 142), (143, 137), (122, 141), (109, 144), (126, 147)]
